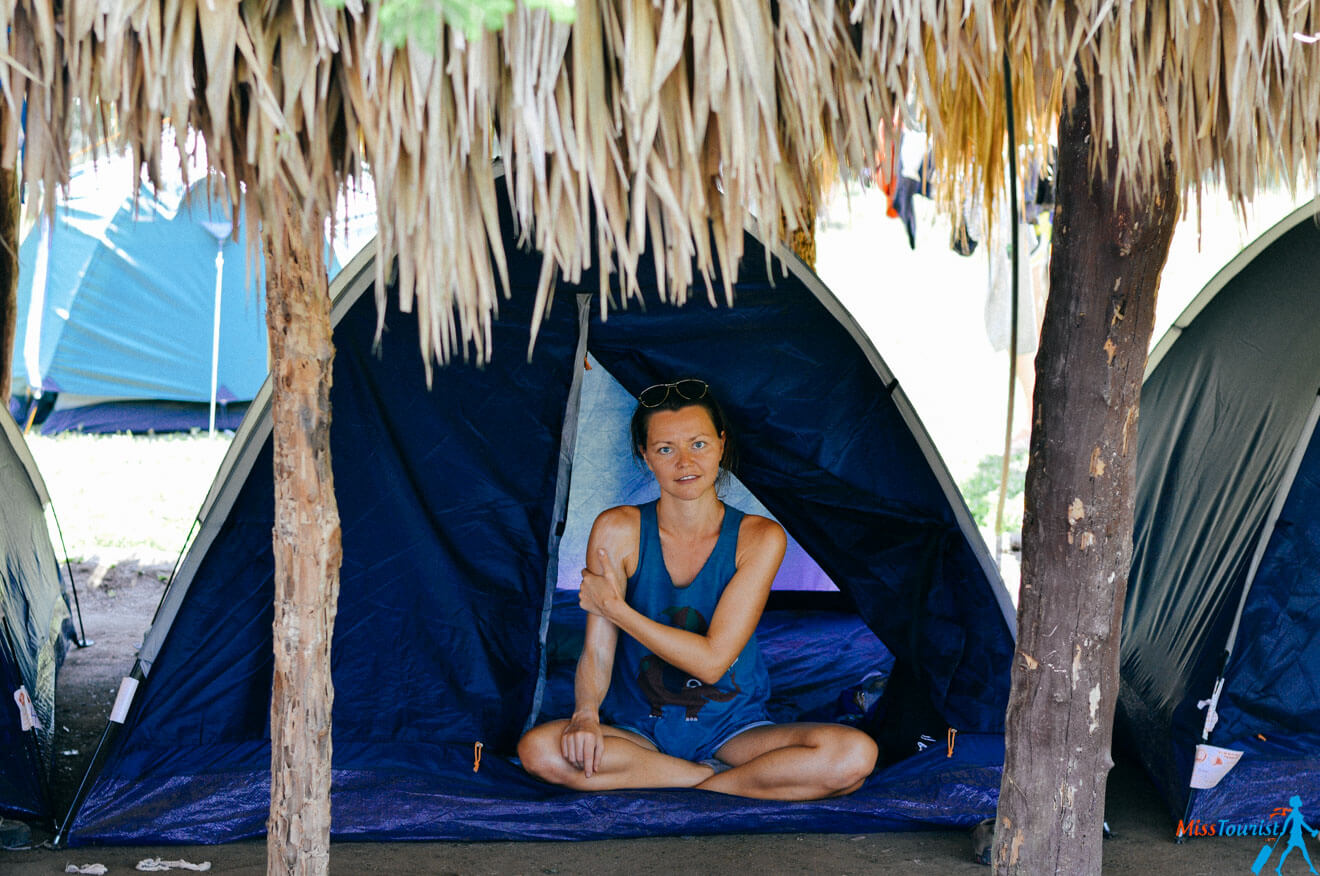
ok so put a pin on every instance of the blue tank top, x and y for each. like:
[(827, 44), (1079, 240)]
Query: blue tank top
[(683, 716)]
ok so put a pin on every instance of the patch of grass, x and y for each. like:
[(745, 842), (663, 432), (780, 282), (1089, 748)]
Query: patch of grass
[(981, 490), (120, 496)]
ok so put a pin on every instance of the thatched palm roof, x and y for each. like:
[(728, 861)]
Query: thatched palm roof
[(646, 116)]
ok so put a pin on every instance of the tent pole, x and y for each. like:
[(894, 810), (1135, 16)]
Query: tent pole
[(112, 728), (563, 482), (1014, 255), (215, 330), (83, 641), (37, 309)]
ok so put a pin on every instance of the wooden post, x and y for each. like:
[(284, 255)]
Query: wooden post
[(307, 547), (1077, 530), (9, 219)]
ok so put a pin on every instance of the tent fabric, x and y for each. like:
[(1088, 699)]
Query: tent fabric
[(117, 305), (33, 618), (124, 284), (1224, 420), (452, 504)]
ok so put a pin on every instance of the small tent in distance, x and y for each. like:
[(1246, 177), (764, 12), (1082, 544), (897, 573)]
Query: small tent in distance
[(33, 631), (1221, 637), (118, 318), (455, 503)]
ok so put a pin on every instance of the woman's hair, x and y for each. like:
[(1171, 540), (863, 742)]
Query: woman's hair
[(674, 401)]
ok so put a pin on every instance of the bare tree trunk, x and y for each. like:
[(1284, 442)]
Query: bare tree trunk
[(9, 218), (1077, 529), (307, 548)]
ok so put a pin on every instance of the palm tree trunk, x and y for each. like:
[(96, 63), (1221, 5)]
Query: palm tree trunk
[(307, 547), (1077, 530)]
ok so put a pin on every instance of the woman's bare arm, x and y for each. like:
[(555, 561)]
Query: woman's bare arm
[(582, 742), (705, 657)]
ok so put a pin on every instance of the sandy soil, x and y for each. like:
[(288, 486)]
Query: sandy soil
[(118, 611)]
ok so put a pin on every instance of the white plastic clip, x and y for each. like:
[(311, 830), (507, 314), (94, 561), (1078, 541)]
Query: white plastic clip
[(1212, 713), (124, 699)]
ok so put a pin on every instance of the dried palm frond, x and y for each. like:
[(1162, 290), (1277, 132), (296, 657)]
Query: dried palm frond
[(659, 123)]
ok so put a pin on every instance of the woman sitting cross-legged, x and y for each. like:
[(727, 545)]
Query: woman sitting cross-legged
[(674, 590)]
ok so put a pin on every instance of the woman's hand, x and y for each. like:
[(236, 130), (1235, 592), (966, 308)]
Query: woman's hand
[(599, 591), (582, 743)]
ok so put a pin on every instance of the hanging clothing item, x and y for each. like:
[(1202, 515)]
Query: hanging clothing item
[(913, 179), (999, 290)]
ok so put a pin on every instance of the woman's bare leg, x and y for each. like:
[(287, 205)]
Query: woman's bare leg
[(630, 761), (794, 762)]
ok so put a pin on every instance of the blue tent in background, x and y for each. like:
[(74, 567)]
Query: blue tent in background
[(117, 307), (1221, 630), (464, 509), (33, 621)]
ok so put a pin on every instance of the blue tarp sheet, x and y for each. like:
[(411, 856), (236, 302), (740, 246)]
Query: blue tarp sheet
[(431, 791), (417, 791)]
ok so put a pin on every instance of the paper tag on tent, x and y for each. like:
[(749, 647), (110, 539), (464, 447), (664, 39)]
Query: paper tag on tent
[(27, 715), (1212, 764), (124, 699)]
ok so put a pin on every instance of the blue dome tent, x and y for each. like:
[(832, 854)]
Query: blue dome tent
[(135, 316), (34, 631), (464, 508), (1221, 632)]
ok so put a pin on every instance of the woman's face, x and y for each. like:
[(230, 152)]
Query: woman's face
[(683, 451)]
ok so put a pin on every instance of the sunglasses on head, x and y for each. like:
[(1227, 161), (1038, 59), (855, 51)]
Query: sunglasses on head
[(688, 389)]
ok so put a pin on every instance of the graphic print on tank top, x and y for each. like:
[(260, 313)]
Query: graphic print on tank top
[(665, 685)]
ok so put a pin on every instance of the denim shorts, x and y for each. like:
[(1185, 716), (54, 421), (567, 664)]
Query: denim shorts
[(690, 740)]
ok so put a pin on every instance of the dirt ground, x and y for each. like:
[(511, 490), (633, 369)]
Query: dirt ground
[(119, 609)]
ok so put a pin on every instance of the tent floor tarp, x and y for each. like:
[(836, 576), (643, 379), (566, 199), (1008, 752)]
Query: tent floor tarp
[(131, 416), (435, 795), (446, 792)]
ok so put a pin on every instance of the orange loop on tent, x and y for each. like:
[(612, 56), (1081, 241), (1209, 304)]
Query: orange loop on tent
[(952, 736), (476, 757)]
